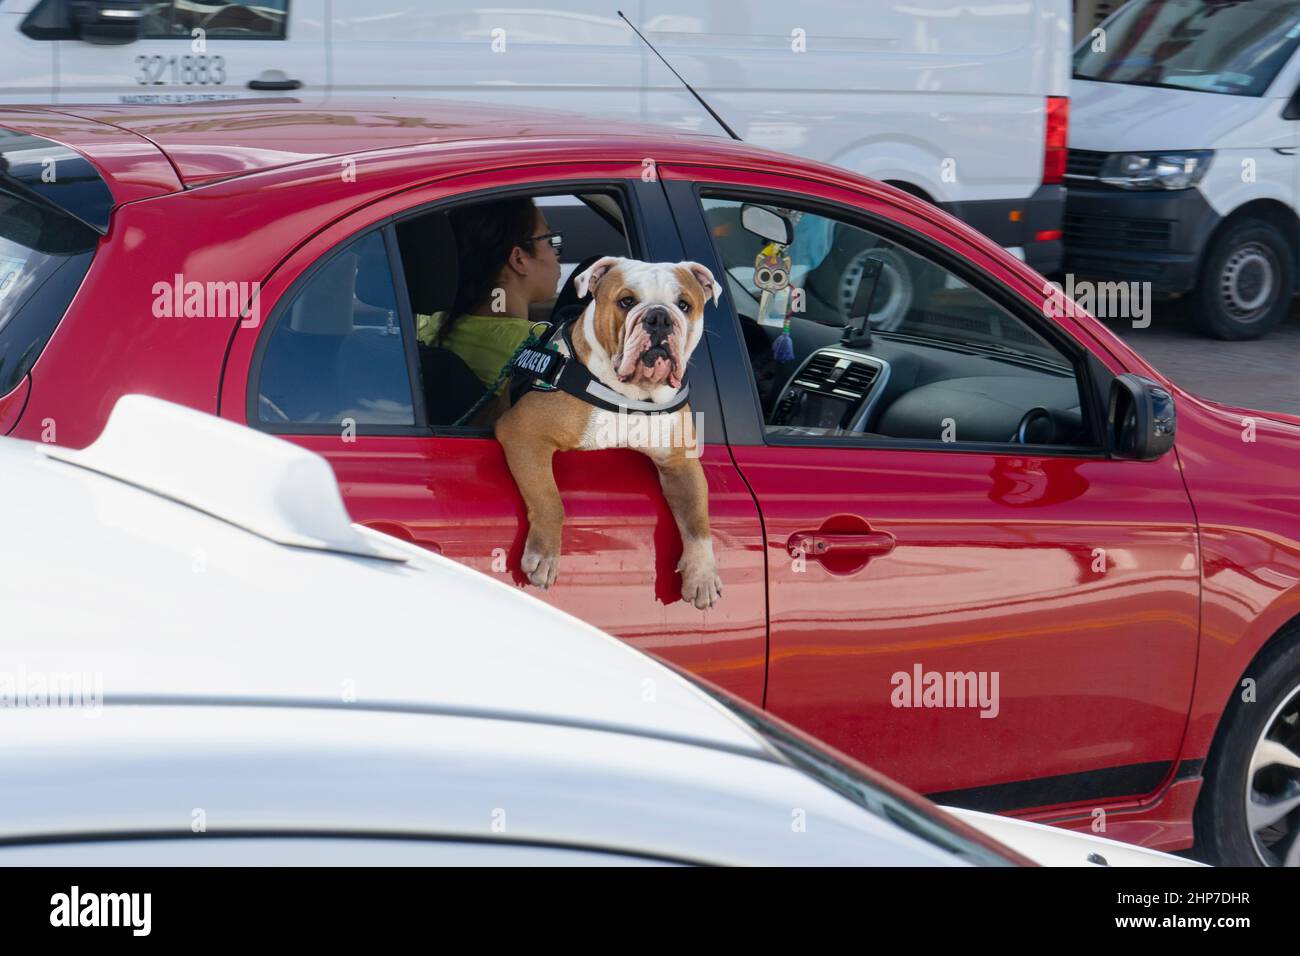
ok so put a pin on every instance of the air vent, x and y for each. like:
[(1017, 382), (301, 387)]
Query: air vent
[(819, 367), (858, 377)]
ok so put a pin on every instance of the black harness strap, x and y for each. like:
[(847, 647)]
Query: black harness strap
[(542, 367)]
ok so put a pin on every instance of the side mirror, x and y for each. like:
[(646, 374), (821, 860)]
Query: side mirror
[(765, 223), (1140, 418), (95, 21), (106, 21)]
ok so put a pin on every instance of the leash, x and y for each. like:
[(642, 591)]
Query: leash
[(506, 371)]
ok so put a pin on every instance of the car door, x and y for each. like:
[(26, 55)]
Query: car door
[(1004, 625), (448, 488), (188, 51)]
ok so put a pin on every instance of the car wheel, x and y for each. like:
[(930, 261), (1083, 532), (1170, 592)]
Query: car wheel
[(1246, 282), (1248, 813)]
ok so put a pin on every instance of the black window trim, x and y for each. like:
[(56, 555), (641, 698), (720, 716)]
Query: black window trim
[(633, 230), (406, 319), (1091, 399)]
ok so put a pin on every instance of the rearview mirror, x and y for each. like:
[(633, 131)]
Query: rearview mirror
[(1140, 418), (766, 223)]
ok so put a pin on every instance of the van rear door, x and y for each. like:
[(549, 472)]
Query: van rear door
[(183, 51)]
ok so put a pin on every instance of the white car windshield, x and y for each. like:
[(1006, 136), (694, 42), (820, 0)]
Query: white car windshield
[(1216, 46)]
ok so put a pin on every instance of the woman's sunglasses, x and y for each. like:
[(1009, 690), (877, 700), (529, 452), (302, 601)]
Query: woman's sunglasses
[(556, 240)]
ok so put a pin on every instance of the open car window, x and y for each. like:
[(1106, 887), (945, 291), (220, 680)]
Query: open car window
[(850, 334)]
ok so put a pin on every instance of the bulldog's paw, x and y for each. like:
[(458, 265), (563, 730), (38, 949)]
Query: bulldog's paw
[(701, 585), (540, 565)]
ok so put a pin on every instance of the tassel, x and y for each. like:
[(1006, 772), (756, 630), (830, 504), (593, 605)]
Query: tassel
[(783, 347)]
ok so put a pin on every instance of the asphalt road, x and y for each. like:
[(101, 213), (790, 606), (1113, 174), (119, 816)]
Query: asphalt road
[(1264, 374)]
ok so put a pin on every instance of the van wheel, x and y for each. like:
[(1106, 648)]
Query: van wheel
[(1246, 282), (1248, 813)]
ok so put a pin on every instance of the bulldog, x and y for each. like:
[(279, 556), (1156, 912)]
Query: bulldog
[(635, 337)]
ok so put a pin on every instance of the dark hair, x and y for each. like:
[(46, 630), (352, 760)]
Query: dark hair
[(486, 233)]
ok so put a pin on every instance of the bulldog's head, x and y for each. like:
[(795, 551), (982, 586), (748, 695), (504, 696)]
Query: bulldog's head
[(647, 317)]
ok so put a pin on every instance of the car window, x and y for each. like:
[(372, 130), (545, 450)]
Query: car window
[(165, 19), (43, 258), (468, 325), (336, 352), (850, 334)]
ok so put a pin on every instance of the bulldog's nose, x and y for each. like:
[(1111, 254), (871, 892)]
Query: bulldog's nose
[(657, 321)]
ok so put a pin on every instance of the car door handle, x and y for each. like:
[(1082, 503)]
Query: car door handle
[(401, 531), (276, 84), (816, 544)]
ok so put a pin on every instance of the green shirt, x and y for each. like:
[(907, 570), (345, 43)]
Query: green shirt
[(485, 342)]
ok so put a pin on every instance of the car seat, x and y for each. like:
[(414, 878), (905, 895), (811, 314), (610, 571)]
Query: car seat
[(429, 259)]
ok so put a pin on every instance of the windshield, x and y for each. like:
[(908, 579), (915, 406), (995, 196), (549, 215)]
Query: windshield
[(1216, 46), (857, 783)]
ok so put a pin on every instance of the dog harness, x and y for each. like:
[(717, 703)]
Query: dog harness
[(542, 367)]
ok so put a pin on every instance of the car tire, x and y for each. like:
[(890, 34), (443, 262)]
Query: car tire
[(1246, 282), (1243, 766)]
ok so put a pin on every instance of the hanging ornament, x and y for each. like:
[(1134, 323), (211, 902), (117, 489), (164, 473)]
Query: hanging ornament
[(771, 275)]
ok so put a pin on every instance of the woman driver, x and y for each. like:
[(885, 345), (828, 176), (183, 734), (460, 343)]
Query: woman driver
[(509, 259)]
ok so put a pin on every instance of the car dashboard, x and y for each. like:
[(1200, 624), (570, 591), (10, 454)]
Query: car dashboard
[(907, 387)]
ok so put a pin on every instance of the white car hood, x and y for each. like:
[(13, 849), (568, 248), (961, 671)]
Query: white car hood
[(1053, 846), (1115, 117)]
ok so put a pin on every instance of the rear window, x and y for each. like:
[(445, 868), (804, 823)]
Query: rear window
[(44, 256)]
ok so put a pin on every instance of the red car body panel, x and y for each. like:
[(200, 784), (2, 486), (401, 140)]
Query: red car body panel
[(993, 555)]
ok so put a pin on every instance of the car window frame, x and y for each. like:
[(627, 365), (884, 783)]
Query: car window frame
[(685, 195), (639, 236)]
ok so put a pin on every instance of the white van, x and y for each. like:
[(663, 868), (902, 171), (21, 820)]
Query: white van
[(1182, 164), (964, 104)]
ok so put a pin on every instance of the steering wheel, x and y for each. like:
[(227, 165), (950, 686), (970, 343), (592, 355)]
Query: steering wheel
[(266, 405), (1037, 427)]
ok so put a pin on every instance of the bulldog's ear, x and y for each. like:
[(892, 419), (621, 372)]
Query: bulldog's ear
[(706, 280), (589, 278)]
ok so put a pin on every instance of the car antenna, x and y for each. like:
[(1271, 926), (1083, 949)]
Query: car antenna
[(721, 122)]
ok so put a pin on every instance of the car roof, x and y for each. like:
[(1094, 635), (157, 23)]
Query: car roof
[(205, 142), (223, 583)]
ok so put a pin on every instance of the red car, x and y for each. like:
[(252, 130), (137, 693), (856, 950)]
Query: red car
[(958, 535)]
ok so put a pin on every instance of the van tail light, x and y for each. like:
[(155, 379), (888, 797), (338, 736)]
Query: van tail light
[(1054, 140)]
